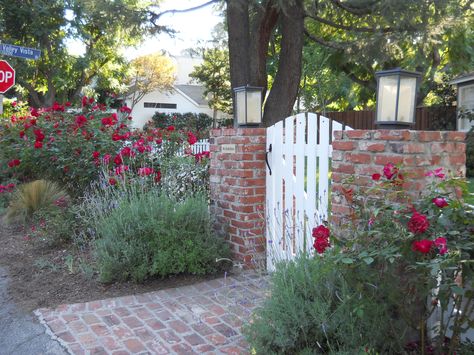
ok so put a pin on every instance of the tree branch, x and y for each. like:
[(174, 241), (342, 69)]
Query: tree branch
[(349, 28), (354, 10), (156, 16), (324, 43)]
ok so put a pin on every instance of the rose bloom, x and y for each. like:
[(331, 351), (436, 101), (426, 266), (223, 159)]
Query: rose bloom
[(158, 176), (423, 246), (321, 244), (442, 245), (389, 170), (170, 128), (440, 202), (418, 223), (38, 145), (96, 155), (145, 171), (191, 138), (112, 181), (14, 162), (376, 177), (321, 232), (118, 159)]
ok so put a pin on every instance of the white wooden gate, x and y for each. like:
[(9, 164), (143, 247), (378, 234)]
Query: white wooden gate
[(297, 183)]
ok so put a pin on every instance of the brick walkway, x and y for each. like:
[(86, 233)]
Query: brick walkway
[(204, 318)]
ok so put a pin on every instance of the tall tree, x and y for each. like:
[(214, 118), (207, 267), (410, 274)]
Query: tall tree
[(149, 73)]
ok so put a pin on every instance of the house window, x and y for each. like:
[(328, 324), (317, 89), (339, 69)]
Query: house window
[(465, 102), (159, 105)]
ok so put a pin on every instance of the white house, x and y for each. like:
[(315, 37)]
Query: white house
[(465, 86), (185, 96)]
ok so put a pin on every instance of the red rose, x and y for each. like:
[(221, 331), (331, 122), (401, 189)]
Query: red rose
[(170, 128), (38, 145), (118, 159), (321, 232), (112, 181), (440, 202), (14, 162), (22, 134), (125, 109), (389, 170), (376, 177), (321, 244), (95, 155), (441, 244), (145, 171), (418, 223), (158, 176), (423, 246), (81, 120), (84, 101), (191, 138)]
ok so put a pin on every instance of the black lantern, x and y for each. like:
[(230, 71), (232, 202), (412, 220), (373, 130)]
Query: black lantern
[(396, 98), (248, 106)]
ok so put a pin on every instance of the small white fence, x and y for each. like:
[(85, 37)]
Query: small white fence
[(297, 193), (200, 146)]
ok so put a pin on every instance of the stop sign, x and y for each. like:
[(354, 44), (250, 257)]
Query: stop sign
[(7, 76)]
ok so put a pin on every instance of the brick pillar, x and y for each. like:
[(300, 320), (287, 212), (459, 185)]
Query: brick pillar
[(364, 152), (237, 177)]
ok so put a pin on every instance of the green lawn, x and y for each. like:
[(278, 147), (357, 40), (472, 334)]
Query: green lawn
[(470, 186)]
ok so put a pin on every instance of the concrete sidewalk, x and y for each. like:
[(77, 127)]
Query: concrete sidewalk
[(20, 334), (204, 318)]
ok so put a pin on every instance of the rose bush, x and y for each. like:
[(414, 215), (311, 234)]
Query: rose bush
[(411, 253), (75, 148)]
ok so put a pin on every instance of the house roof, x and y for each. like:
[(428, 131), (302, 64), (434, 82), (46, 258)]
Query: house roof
[(462, 78), (194, 92)]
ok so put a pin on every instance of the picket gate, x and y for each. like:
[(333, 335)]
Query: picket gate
[(297, 183)]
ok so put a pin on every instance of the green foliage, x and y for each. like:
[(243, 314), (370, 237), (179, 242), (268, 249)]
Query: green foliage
[(407, 252), (142, 233), (33, 197), (214, 73), (312, 311), (198, 123), (53, 227)]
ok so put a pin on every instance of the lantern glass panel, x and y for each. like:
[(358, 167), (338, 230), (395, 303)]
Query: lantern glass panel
[(406, 99), (240, 107), (254, 110), (386, 98)]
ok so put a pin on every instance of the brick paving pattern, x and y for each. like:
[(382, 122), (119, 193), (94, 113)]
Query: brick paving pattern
[(204, 318)]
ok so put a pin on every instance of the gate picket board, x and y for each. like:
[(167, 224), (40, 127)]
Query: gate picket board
[(297, 190)]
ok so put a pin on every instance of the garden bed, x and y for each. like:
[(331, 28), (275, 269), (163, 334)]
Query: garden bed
[(42, 277)]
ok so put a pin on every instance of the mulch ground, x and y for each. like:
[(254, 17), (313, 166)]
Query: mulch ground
[(41, 276)]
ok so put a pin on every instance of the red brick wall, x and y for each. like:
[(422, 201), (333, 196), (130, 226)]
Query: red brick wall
[(365, 152), (238, 191)]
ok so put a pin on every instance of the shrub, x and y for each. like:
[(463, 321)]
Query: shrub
[(141, 233), (30, 198), (311, 310), (200, 123), (53, 227)]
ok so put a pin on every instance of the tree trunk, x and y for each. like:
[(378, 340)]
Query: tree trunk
[(282, 96), (239, 41)]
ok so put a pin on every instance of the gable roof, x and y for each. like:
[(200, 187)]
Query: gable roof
[(194, 92)]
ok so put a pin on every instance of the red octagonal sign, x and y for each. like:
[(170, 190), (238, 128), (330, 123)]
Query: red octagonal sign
[(7, 76)]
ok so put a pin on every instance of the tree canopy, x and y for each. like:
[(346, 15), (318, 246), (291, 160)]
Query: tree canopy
[(355, 38), (149, 73)]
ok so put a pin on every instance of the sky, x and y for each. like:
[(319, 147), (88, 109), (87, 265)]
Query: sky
[(192, 27)]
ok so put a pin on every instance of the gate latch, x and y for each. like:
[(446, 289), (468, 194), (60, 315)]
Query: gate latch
[(266, 158)]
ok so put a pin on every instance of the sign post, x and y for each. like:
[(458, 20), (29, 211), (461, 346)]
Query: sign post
[(19, 51)]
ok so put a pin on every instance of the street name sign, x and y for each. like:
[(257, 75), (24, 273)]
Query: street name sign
[(20, 52)]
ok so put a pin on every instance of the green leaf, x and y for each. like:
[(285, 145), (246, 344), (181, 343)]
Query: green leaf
[(369, 260), (457, 290), (347, 260)]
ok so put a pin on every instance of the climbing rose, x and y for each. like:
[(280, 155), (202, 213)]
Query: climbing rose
[(440, 202), (423, 246), (418, 223), (376, 177), (441, 244), (389, 170)]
